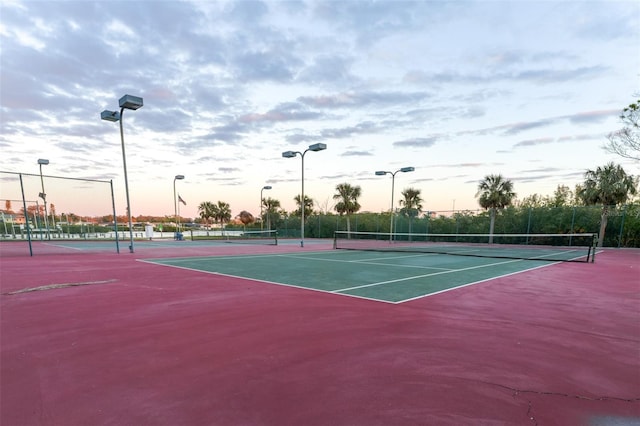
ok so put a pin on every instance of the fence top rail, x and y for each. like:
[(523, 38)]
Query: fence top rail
[(56, 177)]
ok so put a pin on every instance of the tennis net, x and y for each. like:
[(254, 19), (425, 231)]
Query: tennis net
[(550, 247), (249, 237)]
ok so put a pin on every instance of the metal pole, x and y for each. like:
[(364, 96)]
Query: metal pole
[(624, 213), (302, 204), (261, 209), (126, 182), (115, 220), (44, 200), (528, 226), (175, 208), (573, 220), (393, 182), (26, 216)]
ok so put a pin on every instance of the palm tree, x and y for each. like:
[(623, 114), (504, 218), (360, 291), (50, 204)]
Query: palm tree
[(412, 204), (494, 192), (271, 207), (222, 213), (205, 210), (348, 204), (308, 205), (608, 185)]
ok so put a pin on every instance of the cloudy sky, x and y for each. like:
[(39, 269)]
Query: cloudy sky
[(458, 90)]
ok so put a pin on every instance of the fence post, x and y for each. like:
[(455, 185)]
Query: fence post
[(624, 213), (26, 216), (528, 226), (573, 220)]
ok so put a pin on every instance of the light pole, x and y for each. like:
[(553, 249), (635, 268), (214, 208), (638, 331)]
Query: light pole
[(393, 178), (43, 195), (261, 219), (175, 203), (132, 103), (290, 154)]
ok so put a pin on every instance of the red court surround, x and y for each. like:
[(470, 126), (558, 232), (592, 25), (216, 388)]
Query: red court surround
[(152, 345)]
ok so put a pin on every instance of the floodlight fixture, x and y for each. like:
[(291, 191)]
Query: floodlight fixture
[(407, 169), (130, 102), (317, 147), (290, 154), (43, 162), (110, 115), (179, 177), (381, 173)]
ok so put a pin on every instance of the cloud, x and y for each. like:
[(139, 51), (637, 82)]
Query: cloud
[(362, 99), (328, 68), (514, 129), (543, 169), (357, 154), (286, 112), (270, 65), (416, 142), (228, 169), (365, 127), (534, 142), (463, 165), (589, 117)]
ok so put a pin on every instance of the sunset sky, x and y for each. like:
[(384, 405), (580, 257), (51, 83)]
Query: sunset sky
[(457, 89)]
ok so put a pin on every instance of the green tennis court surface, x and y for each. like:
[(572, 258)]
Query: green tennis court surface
[(387, 277)]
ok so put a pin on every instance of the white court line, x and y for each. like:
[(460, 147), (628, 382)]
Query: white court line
[(60, 246), (475, 282), (425, 275), (152, 262), (367, 262)]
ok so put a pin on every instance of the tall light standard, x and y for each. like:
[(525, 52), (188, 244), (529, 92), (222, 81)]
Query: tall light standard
[(175, 203), (393, 178), (132, 103), (261, 220), (290, 154), (43, 195)]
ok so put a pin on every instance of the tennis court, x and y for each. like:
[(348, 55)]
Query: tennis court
[(394, 277), (195, 333)]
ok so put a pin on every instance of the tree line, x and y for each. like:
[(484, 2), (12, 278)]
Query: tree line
[(607, 186)]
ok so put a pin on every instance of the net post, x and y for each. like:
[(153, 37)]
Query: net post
[(275, 235), (594, 245), (335, 240)]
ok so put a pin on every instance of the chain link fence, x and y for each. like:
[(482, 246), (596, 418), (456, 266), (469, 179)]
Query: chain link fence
[(622, 230)]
